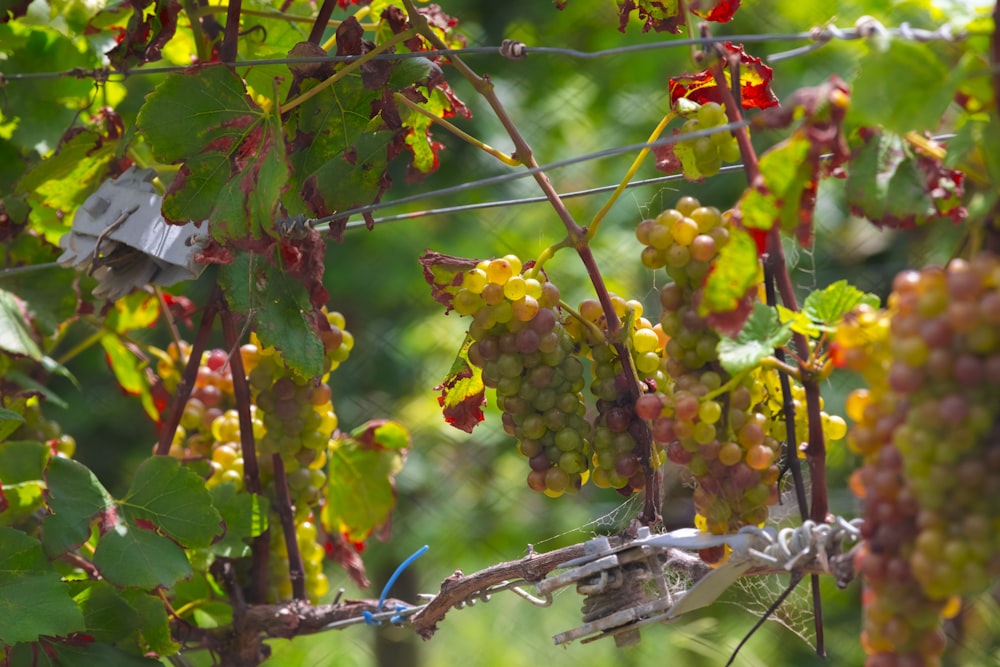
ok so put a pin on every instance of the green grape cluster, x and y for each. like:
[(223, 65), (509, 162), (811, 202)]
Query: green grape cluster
[(279, 583), (526, 354), (720, 432), (703, 156)]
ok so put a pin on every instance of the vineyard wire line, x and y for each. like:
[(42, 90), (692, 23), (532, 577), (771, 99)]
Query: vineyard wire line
[(818, 37)]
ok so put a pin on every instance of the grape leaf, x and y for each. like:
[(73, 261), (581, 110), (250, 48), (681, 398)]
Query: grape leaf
[(720, 11), (74, 497), (137, 310), (33, 601), (232, 152), (15, 332), (151, 616), (94, 653), (130, 372), (147, 32), (755, 83), (21, 470), (174, 499), (282, 320), (904, 86), (463, 393), (108, 616), (657, 15), (828, 306), (362, 469), (245, 516), (444, 274), (734, 272), (130, 556), (893, 185), (786, 187), (10, 421), (758, 339)]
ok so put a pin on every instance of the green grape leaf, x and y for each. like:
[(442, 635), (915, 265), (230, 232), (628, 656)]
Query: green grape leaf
[(463, 393), (50, 294), (245, 516), (10, 421), (174, 499), (108, 616), (151, 620), (15, 332), (362, 468), (902, 86), (33, 601), (90, 654), (734, 272), (213, 614), (21, 472), (74, 497), (799, 321), (130, 371), (130, 556), (758, 339), (828, 306), (233, 169), (282, 319), (787, 183)]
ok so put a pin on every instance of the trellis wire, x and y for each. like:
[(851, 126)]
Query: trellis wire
[(865, 28)]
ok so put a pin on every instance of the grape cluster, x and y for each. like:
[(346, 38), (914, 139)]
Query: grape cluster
[(617, 430), (719, 432), (291, 416), (927, 428), (279, 583), (526, 354), (703, 157)]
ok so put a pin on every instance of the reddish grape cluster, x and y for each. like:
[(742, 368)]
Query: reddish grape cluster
[(525, 354), (718, 431), (926, 426)]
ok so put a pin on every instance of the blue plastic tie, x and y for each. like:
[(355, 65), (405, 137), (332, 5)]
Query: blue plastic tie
[(368, 616)]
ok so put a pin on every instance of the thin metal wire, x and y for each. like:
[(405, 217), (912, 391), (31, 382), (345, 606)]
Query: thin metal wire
[(819, 36), (524, 173)]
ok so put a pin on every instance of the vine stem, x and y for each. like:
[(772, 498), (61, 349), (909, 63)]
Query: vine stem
[(577, 236), (629, 175), (241, 392), (296, 572), (321, 21), (230, 41), (775, 259), (169, 427)]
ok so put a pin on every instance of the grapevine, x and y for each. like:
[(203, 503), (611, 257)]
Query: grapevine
[(182, 189)]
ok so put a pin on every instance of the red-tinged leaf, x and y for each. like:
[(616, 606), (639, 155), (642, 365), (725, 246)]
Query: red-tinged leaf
[(342, 552), (733, 274), (894, 185), (755, 83), (362, 490), (463, 393), (147, 32), (720, 11), (377, 434), (444, 274), (129, 370), (785, 190), (137, 310), (657, 15)]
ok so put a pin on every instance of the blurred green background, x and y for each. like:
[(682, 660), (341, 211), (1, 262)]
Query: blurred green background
[(464, 495)]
